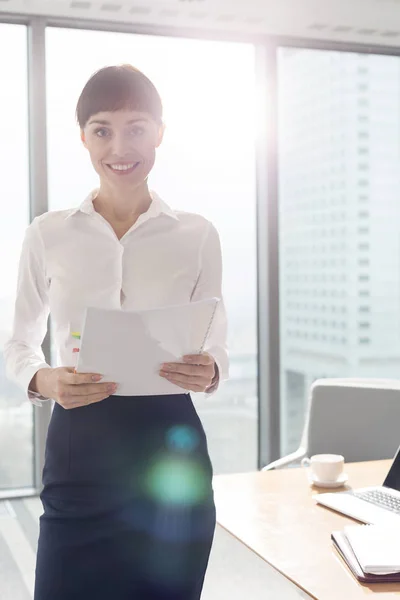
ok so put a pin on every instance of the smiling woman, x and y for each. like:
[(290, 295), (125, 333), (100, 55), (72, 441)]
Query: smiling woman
[(123, 247), (122, 142), (205, 165), (119, 113)]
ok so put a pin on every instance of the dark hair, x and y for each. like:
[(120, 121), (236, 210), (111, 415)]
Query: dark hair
[(115, 88)]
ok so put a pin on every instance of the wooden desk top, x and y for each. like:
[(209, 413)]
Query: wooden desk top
[(274, 514)]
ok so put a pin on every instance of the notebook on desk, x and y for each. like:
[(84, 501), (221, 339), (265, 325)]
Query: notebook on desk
[(371, 553)]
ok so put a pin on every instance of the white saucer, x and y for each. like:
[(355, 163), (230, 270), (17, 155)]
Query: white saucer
[(328, 484)]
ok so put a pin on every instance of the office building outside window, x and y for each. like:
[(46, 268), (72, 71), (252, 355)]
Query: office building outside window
[(339, 181)]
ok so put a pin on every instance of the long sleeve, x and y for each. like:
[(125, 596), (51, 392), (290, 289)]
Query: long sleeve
[(208, 285), (23, 352)]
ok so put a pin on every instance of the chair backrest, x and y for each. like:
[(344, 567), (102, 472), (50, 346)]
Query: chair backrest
[(358, 418)]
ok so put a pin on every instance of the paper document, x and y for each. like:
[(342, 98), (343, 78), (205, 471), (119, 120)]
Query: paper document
[(128, 347)]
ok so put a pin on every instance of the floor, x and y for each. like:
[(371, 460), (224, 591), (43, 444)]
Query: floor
[(234, 571)]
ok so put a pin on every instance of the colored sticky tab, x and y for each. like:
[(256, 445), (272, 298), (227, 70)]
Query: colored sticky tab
[(75, 349), (76, 335)]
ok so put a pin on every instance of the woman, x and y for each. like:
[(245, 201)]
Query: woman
[(127, 496)]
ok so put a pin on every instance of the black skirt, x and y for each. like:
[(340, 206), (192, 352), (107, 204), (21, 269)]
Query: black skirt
[(128, 502)]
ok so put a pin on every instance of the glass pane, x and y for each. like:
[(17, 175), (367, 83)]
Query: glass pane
[(16, 418), (206, 164), (339, 222)]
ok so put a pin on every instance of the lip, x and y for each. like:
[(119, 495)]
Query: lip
[(124, 172)]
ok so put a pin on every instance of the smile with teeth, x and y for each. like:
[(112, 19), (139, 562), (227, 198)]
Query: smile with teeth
[(123, 167)]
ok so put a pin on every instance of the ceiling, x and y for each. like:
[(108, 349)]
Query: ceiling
[(364, 21)]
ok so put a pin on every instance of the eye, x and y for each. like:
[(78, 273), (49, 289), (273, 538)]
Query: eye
[(102, 132), (137, 130)]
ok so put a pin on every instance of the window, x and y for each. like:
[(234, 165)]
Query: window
[(303, 73), (16, 413), (205, 164)]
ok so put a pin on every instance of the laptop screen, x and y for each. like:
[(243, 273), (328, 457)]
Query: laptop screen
[(393, 477)]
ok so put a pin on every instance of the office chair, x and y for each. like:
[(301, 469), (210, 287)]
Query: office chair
[(358, 418)]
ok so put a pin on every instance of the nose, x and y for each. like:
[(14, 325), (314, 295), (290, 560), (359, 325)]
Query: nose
[(120, 145)]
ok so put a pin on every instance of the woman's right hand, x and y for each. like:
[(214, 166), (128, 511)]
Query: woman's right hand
[(70, 389)]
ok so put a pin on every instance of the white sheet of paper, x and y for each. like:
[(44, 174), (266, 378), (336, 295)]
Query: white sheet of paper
[(128, 347)]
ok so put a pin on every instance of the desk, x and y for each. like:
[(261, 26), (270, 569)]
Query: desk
[(274, 514)]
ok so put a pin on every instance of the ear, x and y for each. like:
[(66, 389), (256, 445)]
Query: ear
[(83, 138), (161, 132)]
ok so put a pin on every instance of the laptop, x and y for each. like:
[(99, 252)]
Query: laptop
[(373, 505)]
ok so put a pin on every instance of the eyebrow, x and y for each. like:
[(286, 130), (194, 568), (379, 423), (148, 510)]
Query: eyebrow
[(101, 122)]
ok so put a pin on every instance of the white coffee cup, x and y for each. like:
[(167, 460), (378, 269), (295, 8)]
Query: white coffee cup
[(325, 467)]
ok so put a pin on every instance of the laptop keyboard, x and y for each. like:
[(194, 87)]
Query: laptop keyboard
[(383, 499)]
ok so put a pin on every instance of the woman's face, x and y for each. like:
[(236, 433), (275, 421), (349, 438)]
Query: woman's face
[(122, 146)]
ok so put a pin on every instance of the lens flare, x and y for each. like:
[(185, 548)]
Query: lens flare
[(177, 481), (182, 438)]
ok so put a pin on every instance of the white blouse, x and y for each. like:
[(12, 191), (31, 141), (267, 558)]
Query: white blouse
[(72, 258)]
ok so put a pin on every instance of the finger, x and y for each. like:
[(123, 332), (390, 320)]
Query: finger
[(73, 378), (195, 370), (188, 382), (94, 388), (199, 359), (83, 400)]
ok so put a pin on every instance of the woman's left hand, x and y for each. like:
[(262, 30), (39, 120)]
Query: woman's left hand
[(196, 373)]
